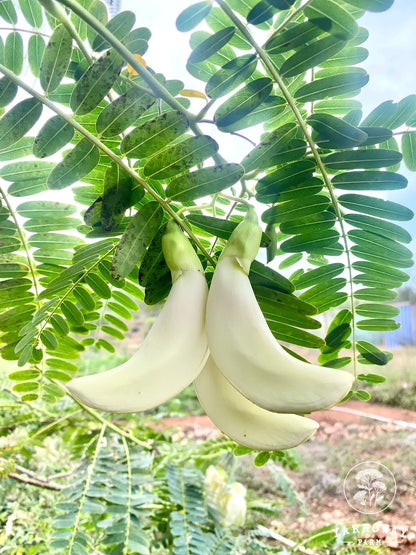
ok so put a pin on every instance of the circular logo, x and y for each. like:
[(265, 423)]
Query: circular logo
[(369, 487)]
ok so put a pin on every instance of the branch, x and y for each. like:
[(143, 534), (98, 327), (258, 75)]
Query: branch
[(39, 482)]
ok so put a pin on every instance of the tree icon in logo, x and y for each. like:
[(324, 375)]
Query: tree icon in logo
[(369, 487)]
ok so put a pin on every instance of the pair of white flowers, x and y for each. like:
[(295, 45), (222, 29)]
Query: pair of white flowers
[(246, 382)]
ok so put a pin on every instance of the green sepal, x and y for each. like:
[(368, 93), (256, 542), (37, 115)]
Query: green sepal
[(178, 252), (244, 242)]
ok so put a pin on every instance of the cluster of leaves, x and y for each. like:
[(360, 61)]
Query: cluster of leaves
[(133, 143)]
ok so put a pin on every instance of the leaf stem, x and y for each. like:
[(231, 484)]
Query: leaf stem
[(235, 199), (24, 243), (30, 31), (93, 139), (128, 464), (85, 490), (294, 14), (292, 104)]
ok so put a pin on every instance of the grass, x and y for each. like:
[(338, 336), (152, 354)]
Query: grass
[(399, 389)]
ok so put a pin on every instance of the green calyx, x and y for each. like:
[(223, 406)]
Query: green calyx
[(245, 240), (178, 251)]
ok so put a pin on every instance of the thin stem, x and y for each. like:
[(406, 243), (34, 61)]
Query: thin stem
[(194, 208), (86, 487), (200, 116), (292, 104), (30, 31), (93, 139), (243, 137), (110, 425), (294, 14), (159, 90), (128, 464), (24, 243), (235, 199)]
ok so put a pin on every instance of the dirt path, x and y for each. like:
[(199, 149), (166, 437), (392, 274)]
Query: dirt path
[(201, 427)]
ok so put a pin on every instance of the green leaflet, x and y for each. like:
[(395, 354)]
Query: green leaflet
[(292, 210), (26, 171), (218, 20), (282, 4), (120, 26), (369, 181), (261, 12), (365, 159), (331, 17), (375, 294), (243, 102), (27, 188), (17, 121), (376, 207), (54, 135), (380, 115), (315, 242), (119, 194), (98, 285), (32, 12), (376, 135), (211, 45), (219, 227), (402, 112), (35, 50), (192, 15), (95, 83), (265, 153), (123, 112), (288, 39), (371, 5), (55, 59), (348, 56), (409, 150), (269, 109), (272, 298), (375, 310), (180, 157), (377, 225), (206, 181), (232, 74), (267, 277), (13, 52), (318, 275), (8, 90), (138, 235), (336, 85), (45, 209), (136, 40), (305, 224), (77, 163), (287, 176), (8, 12), (337, 107), (311, 55), (21, 148), (336, 133), (99, 10), (378, 324), (380, 272), (153, 135)]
